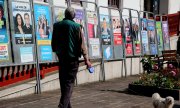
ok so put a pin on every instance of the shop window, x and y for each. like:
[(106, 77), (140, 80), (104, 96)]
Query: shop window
[(114, 3)]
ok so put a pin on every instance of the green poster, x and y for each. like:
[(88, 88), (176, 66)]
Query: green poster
[(159, 37)]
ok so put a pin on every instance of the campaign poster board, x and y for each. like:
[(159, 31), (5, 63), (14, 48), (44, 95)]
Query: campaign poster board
[(58, 14), (106, 37), (136, 35), (22, 23), (128, 36), (22, 32), (93, 37), (152, 36), (118, 38), (145, 39), (159, 37), (166, 37), (43, 23), (5, 49)]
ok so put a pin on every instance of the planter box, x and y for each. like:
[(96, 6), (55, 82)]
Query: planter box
[(149, 90)]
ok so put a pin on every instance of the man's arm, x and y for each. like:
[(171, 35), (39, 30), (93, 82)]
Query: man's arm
[(84, 50)]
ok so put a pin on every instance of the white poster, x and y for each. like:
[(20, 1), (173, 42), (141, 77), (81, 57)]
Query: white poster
[(26, 54), (95, 50)]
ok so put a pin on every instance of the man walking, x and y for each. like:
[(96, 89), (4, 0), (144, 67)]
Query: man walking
[(68, 43)]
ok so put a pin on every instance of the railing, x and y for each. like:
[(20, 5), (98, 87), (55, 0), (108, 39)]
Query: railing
[(13, 74)]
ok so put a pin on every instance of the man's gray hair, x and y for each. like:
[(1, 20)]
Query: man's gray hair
[(70, 13)]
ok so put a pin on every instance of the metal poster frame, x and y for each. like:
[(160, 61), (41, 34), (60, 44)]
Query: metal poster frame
[(48, 43), (165, 32), (159, 34), (22, 48), (7, 50), (153, 48), (124, 54), (137, 45), (117, 35), (127, 32), (92, 41)]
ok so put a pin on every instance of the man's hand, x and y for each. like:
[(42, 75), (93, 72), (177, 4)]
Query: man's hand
[(88, 63)]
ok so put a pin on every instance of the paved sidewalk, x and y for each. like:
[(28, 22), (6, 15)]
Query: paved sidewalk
[(110, 94)]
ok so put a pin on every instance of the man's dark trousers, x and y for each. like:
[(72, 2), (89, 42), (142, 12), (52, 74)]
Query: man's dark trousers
[(67, 74)]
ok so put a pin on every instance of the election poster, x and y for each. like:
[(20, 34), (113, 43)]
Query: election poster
[(58, 14), (79, 18), (152, 36), (136, 35), (94, 47), (127, 31), (43, 24), (159, 36), (3, 28), (92, 24), (105, 30), (117, 30), (26, 54), (46, 53), (145, 42), (22, 23), (165, 31), (4, 55), (108, 53)]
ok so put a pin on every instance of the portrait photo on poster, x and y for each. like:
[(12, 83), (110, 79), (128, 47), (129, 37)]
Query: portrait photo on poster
[(43, 22), (92, 24), (105, 30), (117, 30), (58, 14), (135, 30), (3, 28), (22, 23), (127, 29)]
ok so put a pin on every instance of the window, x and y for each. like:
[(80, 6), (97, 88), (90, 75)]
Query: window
[(75, 0), (114, 3)]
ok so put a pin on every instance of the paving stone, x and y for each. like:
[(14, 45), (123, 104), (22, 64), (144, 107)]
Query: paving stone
[(109, 94)]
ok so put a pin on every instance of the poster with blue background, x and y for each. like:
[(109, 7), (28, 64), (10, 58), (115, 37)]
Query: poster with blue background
[(46, 53), (152, 36), (3, 28), (43, 24), (145, 42)]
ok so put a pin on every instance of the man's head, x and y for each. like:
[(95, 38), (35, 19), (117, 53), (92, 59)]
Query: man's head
[(27, 19), (70, 13)]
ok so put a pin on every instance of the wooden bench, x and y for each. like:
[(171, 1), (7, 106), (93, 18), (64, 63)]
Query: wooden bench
[(170, 57)]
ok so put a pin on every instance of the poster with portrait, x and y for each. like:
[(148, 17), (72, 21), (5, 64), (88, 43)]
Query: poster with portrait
[(136, 35), (92, 24), (127, 33), (145, 42), (165, 31), (3, 28), (105, 30), (152, 36), (4, 55), (159, 36), (22, 23), (43, 24), (58, 14), (117, 30)]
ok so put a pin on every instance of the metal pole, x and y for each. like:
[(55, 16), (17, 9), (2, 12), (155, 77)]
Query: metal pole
[(124, 51), (38, 77)]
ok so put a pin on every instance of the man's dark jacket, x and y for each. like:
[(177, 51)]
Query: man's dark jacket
[(67, 39)]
